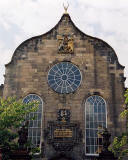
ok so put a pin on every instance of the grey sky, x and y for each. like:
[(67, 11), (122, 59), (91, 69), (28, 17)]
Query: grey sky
[(22, 19)]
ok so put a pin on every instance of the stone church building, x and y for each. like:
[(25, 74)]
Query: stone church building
[(79, 84)]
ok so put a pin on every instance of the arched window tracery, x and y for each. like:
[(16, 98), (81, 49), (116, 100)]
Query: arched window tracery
[(35, 126), (95, 122)]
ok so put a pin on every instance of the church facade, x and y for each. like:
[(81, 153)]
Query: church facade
[(80, 86)]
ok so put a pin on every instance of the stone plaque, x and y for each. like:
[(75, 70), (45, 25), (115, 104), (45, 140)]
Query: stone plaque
[(63, 136), (60, 133)]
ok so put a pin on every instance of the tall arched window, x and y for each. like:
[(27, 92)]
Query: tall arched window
[(35, 126), (95, 121)]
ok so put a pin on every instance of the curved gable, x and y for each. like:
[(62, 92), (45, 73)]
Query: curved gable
[(33, 44)]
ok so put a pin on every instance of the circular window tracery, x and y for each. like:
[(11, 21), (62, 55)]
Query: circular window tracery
[(64, 77)]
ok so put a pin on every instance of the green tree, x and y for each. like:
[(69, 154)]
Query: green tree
[(120, 144), (13, 113)]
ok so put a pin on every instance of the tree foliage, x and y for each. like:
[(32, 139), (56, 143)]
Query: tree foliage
[(13, 113), (120, 144)]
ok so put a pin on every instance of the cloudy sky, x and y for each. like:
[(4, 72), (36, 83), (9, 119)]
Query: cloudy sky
[(22, 19)]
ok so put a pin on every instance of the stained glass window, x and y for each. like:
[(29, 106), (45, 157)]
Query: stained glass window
[(64, 77), (34, 128), (95, 121)]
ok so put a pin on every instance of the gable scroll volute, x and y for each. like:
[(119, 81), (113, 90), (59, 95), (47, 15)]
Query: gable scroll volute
[(65, 44)]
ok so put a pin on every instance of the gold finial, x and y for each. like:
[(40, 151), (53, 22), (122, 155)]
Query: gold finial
[(66, 7)]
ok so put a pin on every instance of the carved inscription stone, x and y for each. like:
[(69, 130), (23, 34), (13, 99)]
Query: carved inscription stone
[(63, 136), (59, 133)]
